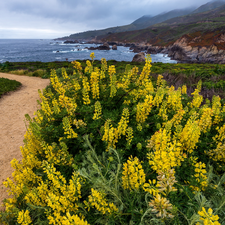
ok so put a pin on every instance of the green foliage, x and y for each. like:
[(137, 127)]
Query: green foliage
[(7, 85)]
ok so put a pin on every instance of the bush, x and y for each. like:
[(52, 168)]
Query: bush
[(108, 148), (7, 85)]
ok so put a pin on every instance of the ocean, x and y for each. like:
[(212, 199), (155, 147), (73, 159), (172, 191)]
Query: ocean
[(45, 50)]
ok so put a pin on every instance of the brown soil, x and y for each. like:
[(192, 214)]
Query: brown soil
[(13, 107)]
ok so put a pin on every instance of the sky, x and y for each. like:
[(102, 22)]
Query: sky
[(49, 19)]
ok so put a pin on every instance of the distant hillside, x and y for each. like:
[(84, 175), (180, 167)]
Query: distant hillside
[(206, 25), (177, 16), (209, 6), (141, 23)]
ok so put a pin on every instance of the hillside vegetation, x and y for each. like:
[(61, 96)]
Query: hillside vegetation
[(208, 26)]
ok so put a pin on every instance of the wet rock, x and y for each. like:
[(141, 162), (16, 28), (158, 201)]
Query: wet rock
[(178, 53), (71, 42), (140, 57), (114, 47), (105, 46)]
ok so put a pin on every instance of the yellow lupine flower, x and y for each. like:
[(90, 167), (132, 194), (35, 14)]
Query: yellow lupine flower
[(123, 123), (77, 65), (24, 218), (208, 218), (95, 85), (129, 135), (89, 67), (68, 129), (150, 187), (161, 206), (133, 174), (98, 111), (97, 199), (85, 91), (92, 55)]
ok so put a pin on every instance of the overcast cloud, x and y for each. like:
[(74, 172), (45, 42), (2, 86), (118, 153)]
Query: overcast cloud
[(58, 18)]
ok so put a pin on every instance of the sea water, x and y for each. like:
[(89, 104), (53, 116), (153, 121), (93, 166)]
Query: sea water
[(45, 50)]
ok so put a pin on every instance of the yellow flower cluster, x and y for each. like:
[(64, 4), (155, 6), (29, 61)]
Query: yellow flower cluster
[(133, 174), (85, 91), (159, 81), (68, 103), (201, 175), (151, 188), (205, 121), (74, 219), (46, 107), (24, 218), (113, 88), (129, 135), (57, 85), (64, 74), (145, 72), (161, 206), (97, 200), (166, 180), (174, 102), (184, 89), (110, 134), (143, 109), (216, 108), (95, 85), (89, 67), (68, 131), (165, 154), (197, 99), (111, 70), (190, 135), (103, 64), (79, 123), (92, 55), (207, 218), (77, 66), (218, 154), (98, 111), (123, 123)]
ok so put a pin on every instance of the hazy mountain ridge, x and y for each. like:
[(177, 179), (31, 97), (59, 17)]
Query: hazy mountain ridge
[(141, 23), (169, 31), (209, 6), (173, 16)]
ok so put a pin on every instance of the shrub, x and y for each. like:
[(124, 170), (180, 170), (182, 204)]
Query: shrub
[(7, 85), (108, 148)]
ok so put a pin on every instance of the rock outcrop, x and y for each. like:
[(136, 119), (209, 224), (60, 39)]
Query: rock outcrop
[(71, 42), (114, 47), (105, 46), (178, 53), (187, 50), (140, 57)]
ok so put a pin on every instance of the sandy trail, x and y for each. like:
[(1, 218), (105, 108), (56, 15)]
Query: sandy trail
[(13, 107)]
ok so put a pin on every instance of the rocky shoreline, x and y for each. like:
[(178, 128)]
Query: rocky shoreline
[(181, 50)]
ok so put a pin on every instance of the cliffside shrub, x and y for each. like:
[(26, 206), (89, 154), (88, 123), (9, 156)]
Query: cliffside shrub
[(107, 148)]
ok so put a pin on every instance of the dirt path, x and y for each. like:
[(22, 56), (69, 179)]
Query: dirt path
[(13, 107)]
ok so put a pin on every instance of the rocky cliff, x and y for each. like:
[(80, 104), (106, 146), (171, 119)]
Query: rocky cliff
[(199, 49)]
